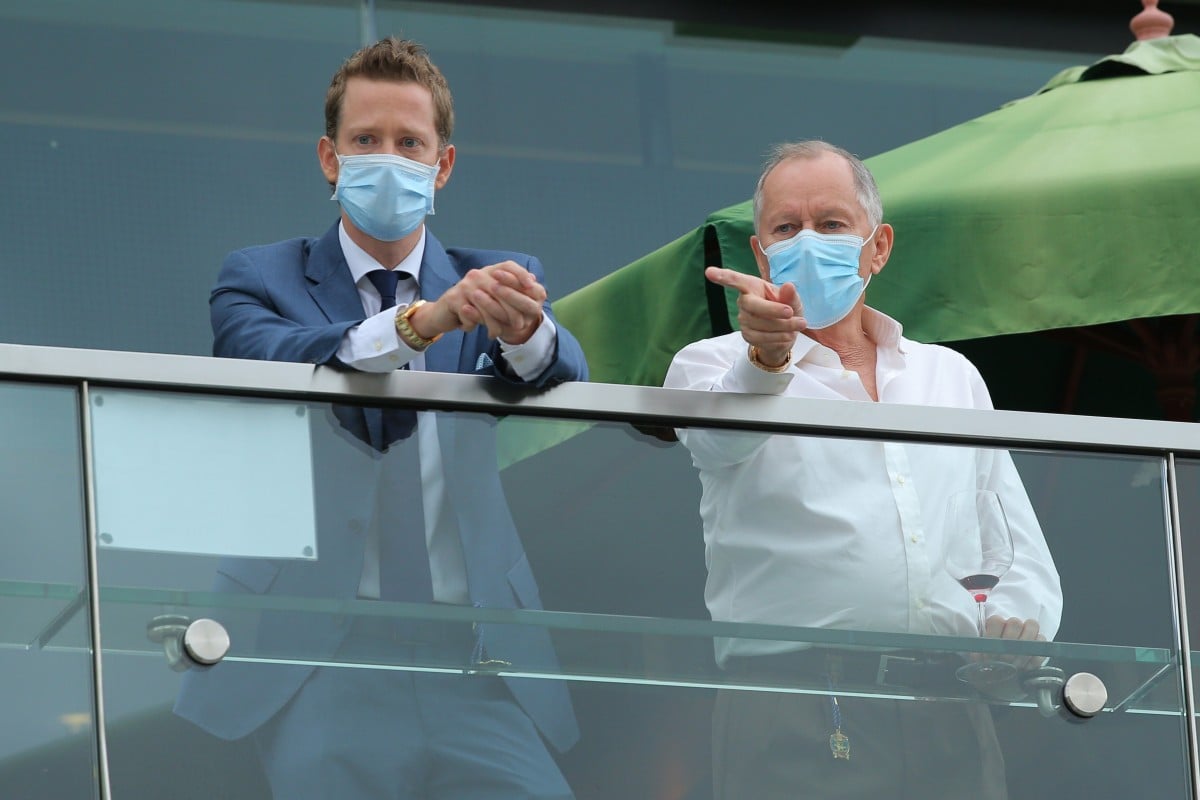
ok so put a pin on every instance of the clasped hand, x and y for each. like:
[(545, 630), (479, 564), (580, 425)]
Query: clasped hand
[(505, 298)]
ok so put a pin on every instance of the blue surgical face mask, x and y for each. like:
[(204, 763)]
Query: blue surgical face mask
[(824, 269), (385, 196)]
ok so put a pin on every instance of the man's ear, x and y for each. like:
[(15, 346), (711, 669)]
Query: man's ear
[(883, 239), (445, 166), (327, 157)]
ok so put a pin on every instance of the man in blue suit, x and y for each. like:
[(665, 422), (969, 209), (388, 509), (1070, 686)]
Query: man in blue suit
[(409, 506)]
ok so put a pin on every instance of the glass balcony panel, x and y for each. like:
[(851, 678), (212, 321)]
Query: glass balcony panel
[(609, 521), (48, 746)]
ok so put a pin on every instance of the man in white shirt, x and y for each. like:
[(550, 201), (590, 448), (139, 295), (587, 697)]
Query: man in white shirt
[(842, 533)]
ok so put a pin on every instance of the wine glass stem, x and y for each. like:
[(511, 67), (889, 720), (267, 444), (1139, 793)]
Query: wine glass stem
[(979, 605)]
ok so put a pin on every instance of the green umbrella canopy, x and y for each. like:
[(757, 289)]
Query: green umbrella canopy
[(1073, 207)]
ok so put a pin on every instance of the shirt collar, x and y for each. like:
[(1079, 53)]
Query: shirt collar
[(883, 330), (886, 332), (360, 262)]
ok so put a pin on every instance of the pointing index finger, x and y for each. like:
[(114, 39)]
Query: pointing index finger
[(746, 284)]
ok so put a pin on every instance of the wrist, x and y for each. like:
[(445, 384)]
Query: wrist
[(769, 360), (524, 335), (423, 318), (414, 328)]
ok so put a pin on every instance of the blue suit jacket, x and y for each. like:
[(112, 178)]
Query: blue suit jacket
[(293, 301)]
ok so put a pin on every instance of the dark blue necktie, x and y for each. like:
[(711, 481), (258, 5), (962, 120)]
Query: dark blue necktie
[(403, 557), (385, 281), (397, 423)]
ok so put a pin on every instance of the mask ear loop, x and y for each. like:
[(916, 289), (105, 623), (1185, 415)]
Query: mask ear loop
[(870, 237)]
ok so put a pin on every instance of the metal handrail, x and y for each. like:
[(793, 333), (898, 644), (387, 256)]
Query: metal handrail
[(640, 405)]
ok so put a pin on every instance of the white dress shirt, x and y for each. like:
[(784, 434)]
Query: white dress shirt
[(844, 533), (374, 346)]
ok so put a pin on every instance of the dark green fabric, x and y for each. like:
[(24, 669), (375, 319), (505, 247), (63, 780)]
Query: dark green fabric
[(634, 320), (1151, 57), (631, 323)]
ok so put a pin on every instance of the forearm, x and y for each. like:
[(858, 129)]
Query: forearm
[(1031, 589)]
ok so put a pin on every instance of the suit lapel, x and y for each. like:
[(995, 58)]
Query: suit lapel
[(332, 288), (329, 280)]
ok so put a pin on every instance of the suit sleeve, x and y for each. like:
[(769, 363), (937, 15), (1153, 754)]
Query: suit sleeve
[(568, 363), (249, 320)]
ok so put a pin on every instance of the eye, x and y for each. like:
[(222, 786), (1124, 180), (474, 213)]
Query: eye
[(364, 140), (410, 143), (833, 225), (784, 228)]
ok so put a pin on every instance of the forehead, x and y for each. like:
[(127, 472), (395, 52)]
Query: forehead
[(372, 102), (825, 181)]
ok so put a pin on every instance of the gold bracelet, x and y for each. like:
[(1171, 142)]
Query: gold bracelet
[(756, 361), (404, 328)]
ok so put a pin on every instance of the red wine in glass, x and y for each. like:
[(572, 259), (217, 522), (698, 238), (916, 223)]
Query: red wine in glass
[(979, 585)]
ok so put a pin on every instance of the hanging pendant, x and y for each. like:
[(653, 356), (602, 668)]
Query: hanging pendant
[(839, 745)]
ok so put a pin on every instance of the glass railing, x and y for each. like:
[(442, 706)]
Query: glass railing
[(620, 587)]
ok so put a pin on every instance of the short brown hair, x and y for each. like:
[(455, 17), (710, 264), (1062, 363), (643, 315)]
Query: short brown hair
[(393, 59)]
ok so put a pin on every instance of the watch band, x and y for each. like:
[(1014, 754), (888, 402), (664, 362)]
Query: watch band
[(752, 354), (404, 328)]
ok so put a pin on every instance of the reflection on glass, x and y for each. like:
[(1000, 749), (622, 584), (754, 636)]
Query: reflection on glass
[(343, 647), (619, 556), (47, 744), (635, 509)]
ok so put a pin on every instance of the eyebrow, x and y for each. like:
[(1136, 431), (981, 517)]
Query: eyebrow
[(824, 212)]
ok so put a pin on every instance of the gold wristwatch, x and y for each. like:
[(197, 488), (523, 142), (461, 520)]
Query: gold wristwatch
[(404, 328), (752, 354)]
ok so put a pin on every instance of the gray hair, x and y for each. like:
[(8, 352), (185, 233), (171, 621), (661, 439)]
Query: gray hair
[(864, 184)]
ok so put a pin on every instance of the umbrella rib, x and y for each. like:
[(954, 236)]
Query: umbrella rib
[(1147, 337), (1074, 379), (1187, 339), (1110, 344)]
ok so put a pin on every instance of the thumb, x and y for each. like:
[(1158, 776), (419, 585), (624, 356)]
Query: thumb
[(787, 294)]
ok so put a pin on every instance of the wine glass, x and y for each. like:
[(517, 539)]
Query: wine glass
[(979, 553)]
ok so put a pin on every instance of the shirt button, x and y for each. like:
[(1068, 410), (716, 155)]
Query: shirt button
[(915, 539), (845, 374), (900, 479), (920, 604), (378, 345), (394, 358)]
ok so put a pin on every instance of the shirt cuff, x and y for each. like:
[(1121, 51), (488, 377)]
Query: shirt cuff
[(749, 379), (373, 346), (531, 359)]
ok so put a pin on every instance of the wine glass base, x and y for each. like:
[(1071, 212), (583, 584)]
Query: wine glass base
[(985, 674)]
